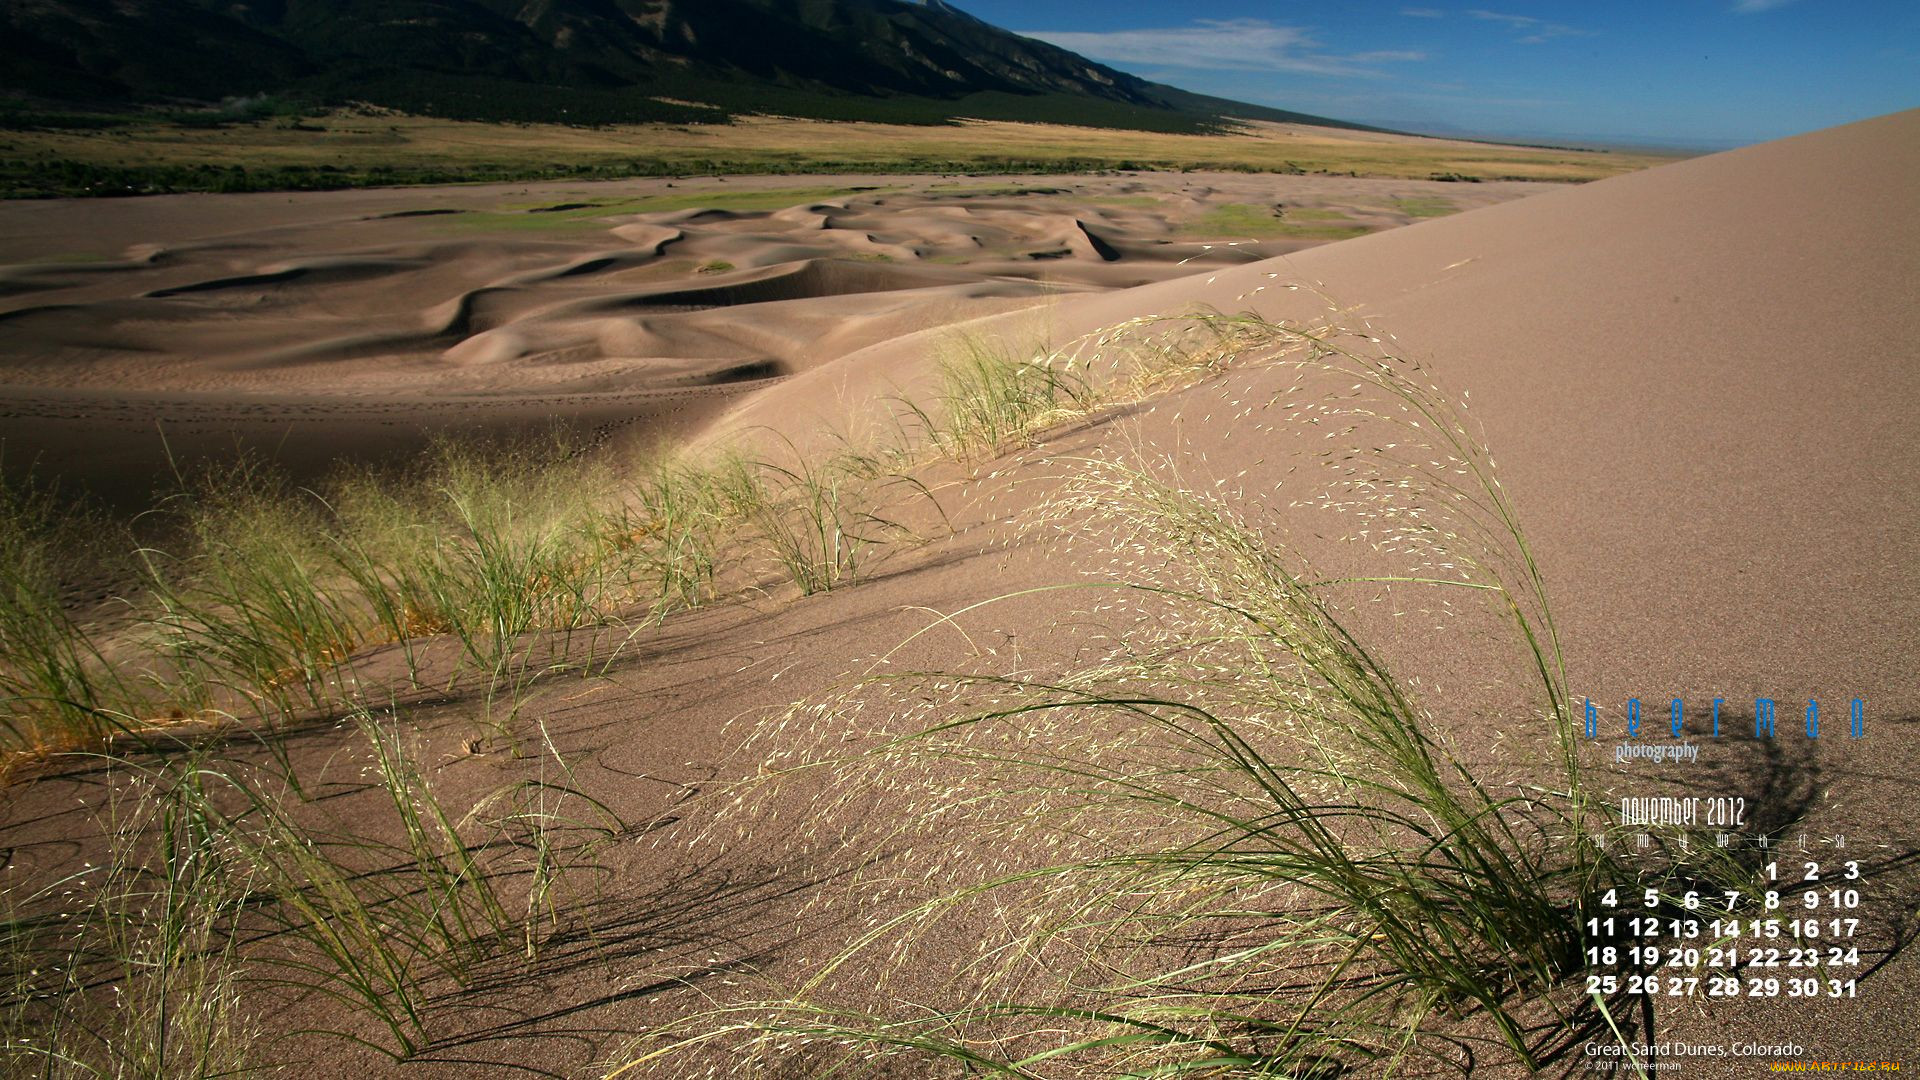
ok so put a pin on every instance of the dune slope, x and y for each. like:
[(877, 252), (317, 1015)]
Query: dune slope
[(1698, 380), (1698, 383)]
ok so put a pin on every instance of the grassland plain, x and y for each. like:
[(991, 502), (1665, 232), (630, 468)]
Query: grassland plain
[(350, 149)]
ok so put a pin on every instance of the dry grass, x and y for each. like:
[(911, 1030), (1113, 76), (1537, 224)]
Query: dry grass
[(759, 144), (1231, 843), (258, 599), (1223, 836), (223, 882)]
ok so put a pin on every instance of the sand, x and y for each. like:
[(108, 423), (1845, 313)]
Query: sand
[(1697, 382), (316, 326)]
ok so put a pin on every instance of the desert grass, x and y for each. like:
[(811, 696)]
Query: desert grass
[(355, 149), (252, 598), (255, 601), (996, 396), (818, 521), (681, 515), (486, 550), (128, 969), (246, 615), (555, 831), (992, 397), (222, 884), (55, 685), (1237, 842), (375, 920)]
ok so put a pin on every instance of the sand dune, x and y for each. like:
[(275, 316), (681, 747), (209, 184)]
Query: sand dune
[(1702, 412), (1699, 384), (277, 320), (1703, 415), (1697, 381)]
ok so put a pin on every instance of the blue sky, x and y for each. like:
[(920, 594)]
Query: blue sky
[(1700, 73)]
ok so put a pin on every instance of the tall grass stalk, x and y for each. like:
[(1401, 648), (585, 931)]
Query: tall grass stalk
[(556, 828), (681, 516), (56, 686), (991, 399), (250, 611), (1236, 843), (484, 547), (819, 520), (221, 880), (142, 977), (376, 922)]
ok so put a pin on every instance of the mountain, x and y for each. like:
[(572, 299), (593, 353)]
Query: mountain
[(581, 61)]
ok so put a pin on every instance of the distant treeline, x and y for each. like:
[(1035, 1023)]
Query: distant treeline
[(28, 178), (453, 97)]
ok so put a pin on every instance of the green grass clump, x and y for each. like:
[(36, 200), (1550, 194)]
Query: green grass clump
[(990, 397), (819, 521), (1261, 222), (249, 611), (55, 685), (253, 598), (486, 547), (377, 919), (1425, 206), (679, 517)]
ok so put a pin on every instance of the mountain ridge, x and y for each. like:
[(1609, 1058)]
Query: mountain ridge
[(584, 61)]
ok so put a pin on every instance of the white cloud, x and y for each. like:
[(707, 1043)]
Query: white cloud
[(1518, 22), (1536, 31), (1241, 44), (1423, 13)]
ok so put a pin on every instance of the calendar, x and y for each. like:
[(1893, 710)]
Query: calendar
[(1736, 930)]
